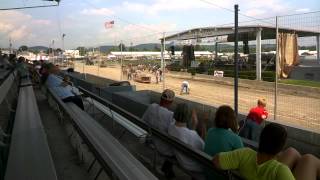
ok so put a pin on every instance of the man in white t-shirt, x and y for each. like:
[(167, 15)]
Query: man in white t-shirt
[(180, 131), (185, 87), (159, 117)]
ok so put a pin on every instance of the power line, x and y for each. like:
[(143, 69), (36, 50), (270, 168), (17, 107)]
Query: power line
[(27, 7), (232, 11)]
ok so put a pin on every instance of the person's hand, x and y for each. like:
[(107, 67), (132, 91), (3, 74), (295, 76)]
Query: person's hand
[(264, 116), (64, 84)]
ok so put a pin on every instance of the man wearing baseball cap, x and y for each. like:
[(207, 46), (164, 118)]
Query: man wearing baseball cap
[(160, 117)]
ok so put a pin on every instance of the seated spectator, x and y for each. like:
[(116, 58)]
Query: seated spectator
[(159, 117), (252, 125), (222, 137), (22, 67), (268, 163), (180, 131), (61, 88)]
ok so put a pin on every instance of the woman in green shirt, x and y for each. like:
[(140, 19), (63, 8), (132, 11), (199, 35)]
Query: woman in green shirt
[(222, 137)]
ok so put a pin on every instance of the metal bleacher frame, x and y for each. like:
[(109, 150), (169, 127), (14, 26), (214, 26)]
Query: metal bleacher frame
[(8, 89), (197, 155), (140, 133), (113, 158), (29, 154)]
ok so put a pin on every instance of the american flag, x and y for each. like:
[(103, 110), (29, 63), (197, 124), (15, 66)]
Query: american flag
[(108, 24)]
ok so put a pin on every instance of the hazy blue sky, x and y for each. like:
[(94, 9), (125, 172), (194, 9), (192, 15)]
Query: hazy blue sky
[(136, 21)]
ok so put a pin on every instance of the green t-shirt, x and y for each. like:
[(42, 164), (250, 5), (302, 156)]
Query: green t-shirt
[(220, 140), (245, 161)]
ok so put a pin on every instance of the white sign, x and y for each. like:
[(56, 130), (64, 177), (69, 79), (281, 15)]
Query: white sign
[(218, 74)]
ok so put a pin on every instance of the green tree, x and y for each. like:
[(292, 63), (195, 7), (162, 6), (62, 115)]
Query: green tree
[(23, 48), (82, 50), (123, 47)]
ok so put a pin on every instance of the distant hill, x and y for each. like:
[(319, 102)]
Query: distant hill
[(104, 48), (148, 47), (38, 48)]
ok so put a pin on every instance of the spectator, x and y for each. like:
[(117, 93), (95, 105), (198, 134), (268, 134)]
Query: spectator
[(223, 137), (189, 136), (263, 164), (22, 67), (61, 88), (185, 87), (252, 125), (159, 117)]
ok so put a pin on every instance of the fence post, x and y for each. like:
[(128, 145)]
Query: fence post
[(277, 70), (163, 61), (318, 48), (236, 68)]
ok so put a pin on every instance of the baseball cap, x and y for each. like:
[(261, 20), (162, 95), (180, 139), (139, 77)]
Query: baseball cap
[(167, 95)]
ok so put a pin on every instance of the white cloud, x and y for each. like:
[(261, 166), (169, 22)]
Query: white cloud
[(264, 8), (21, 27), (303, 10), (20, 33), (98, 12)]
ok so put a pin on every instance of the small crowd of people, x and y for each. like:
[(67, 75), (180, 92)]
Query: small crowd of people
[(63, 88), (271, 161)]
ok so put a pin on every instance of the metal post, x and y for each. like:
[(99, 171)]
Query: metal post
[(277, 70), (10, 45), (99, 60), (318, 48), (216, 50), (236, 8), (258, 54), (63, 35), (121, 73), (52, 52), (84, 74), (163, 61)]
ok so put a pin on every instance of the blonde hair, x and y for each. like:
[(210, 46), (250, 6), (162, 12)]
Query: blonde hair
[(262, 102)]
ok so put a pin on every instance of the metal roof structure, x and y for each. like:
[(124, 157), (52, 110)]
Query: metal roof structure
[(245, 33)]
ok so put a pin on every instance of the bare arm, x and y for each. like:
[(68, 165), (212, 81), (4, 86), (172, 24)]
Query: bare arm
[(216, 162)]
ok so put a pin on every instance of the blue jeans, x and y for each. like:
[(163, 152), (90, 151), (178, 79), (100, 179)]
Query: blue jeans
[(251, 130)]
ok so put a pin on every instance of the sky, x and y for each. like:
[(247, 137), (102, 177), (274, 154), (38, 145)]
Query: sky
[(136, 21)]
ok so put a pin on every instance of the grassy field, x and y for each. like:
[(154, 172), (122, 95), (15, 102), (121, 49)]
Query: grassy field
[(301, 82)]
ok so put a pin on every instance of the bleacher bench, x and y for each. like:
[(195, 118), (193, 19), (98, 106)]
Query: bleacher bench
[(128, 125), (107, 150), (29, 154)]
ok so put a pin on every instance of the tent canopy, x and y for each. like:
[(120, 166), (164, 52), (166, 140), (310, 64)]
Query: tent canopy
[(246, 33)]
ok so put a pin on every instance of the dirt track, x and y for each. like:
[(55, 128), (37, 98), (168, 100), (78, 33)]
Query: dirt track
[(300, 111)]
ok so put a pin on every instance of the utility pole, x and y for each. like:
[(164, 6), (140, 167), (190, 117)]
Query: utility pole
[(163, 49), (277, 70), (10, 45), (121, 73), (63, 35), (236, 68)]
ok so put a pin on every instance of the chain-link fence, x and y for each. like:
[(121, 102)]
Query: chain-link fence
[(293, 100), (298, 95)]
